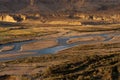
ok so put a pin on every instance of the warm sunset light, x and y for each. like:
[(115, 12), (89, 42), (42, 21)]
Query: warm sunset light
[(59, 39)]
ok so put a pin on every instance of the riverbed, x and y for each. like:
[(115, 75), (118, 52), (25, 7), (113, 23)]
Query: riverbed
[(62, 44)]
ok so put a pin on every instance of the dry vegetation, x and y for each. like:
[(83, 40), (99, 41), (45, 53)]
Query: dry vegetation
[(93, 61), (96, 28), (19, 33), (45, 21), (96, 38), (77, 63)]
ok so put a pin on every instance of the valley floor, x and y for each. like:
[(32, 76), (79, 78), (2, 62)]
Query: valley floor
[(86, 52)]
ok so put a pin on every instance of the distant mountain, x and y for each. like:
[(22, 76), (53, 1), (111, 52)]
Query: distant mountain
[(57, 6)]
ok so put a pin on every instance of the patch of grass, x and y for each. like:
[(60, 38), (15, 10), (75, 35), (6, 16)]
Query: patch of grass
[(89, 68), (77, 63), (11, 35), (44, 58), (95, 28), (15, 77), (93, 49), (73, 64)]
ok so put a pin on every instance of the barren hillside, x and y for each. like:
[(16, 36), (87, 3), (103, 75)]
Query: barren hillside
[(54, 6)]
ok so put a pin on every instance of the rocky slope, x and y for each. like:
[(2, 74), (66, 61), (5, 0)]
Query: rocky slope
[(59, 5), (107, 10)]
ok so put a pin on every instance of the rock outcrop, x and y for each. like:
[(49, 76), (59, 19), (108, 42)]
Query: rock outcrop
[(12, 18), (100, 17), (99, 10), (7, 18)]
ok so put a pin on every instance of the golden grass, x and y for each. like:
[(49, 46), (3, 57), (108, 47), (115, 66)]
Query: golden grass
[(77, 63), (19, 32), (10, 35), (2, 29)]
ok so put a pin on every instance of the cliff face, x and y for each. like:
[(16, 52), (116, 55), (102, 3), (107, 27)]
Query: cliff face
[(7, 18), (12, 18)]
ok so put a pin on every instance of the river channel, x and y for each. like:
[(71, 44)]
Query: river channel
[(62, 45)]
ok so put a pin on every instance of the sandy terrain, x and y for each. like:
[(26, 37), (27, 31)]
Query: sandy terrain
[(116, 38), (15, 55), (39, 45), (83, 60), (6, 48), (59, 40), (30, 68), (96, 38), (50, 40)]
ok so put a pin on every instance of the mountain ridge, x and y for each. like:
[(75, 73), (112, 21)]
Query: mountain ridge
[(52, 6)]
